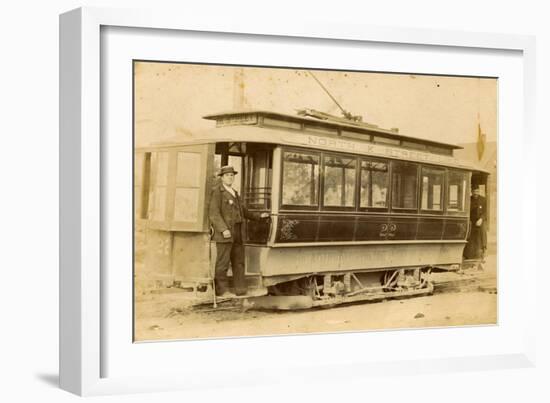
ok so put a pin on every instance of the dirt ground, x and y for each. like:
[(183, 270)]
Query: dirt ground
[(468, 298)]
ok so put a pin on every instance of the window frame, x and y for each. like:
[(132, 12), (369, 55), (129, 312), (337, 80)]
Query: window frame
[(175, 186), (322, 183), (268, 177), (388, 184), (466, 211), (389, 209), (403, 210), (154, 186), (441, 212), (298, 207)]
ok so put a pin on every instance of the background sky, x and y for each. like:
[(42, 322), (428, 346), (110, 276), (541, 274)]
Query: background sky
[(172, 98)]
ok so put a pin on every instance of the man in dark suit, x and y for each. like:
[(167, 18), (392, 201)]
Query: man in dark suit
[(227, 214), (477, 243)]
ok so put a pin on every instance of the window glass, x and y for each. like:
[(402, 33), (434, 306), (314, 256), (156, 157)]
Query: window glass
[(432, 189), (339, 181), (188, 175), (385, 140), (456, 199), (162, 168), (188, 169), (282, 123), (159, 161), (259, 179), (159, 212), (404, 185), (374, 183), (440, 150), (237, 163), (300, 179), (186, 204), (321, 129)]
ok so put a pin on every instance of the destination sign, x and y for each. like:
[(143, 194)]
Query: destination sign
[(369, 149), (245, 119)]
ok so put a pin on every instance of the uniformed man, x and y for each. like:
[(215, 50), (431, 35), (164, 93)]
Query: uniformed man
[(477, 243), (227, 215)]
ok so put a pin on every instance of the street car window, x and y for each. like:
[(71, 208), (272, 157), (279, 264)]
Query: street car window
[(187, 186), (258, 169), (159, 161), (300, 179), (339, 181), (374, 183), (457, 186), (432, 189), (404, 185)]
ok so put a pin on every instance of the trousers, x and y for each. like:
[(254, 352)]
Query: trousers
[(230, 252), (477, 242)]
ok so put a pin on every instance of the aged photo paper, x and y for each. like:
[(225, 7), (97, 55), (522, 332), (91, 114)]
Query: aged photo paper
[(272, 201)]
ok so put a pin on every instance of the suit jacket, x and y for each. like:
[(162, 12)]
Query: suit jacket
[(225, 211), (478, 209)]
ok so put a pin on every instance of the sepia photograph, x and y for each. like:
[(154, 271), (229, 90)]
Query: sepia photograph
[(287, 200)]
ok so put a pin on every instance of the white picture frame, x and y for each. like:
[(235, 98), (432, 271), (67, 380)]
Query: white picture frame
[(84, 188)]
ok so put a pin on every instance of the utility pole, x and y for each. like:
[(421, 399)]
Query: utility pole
[(238, 89)]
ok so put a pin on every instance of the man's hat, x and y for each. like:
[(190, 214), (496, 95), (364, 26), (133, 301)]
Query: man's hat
[(228, 169)]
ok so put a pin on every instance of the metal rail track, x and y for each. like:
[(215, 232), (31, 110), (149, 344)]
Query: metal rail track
[(470, 284), (466, 281)]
